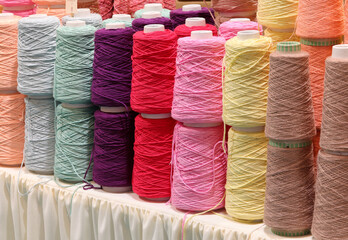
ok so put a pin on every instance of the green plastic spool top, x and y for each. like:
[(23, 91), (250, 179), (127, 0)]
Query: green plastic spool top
[(289, 47)]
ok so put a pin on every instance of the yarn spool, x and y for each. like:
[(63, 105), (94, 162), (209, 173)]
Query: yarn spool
[(139, 23), (153, 7), (246, 80), (346, 23), (178, 16), (123, 18), (39, 135), (313, 22), (289, 106), (227, 9), (199, 60), (113, 150), (135, 5), (198, 180), (36, 54), (12, 111), (85, 15), (289, 188), (90, 4), (8, 51), (74, 142), (281, 36), (277, 14), (51, 7), (194, 24), (335, 111), (106, 8), (154, 56), (318, 51), (112, 68), (246, 173), (22, 8), (316, 148), (331, 200), (152, 157), (74, 63), (229, 29)]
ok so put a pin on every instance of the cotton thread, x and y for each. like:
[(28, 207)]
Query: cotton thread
[(234, 6), (197, 89), (74, 142), (39, 135), (289, 106), (51, 7), (22, 8), (316, 149), (246, 175), (111, 20), (93, 5), (330, 208), (229, 29), (154, 56), (277, 14), (185, 31), (8, 53), (113, 148), (12, 111), (112, 68), (139, 23), (199, 168), (246, 82), (278, 37), (152, 157), (74, 64), (289, 189), (313, 22), (164, 13), (93, 19), (106, 8), (36, 55), (178, 16), (135, 5), (346, 23), (317, 57)]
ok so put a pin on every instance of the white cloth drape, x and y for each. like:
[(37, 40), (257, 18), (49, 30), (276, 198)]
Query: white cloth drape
[(51, 212)]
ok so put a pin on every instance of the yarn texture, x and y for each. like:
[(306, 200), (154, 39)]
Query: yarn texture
[(178, 16), (111, 20), (234, 6), (278, 37), (230, 29), (164, 13), (139, 23), (185, 31), (93, 19)]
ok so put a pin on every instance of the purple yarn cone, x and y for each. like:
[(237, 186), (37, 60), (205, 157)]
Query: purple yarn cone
[(113, 148), (112, 68), (139, 23), (178, 16)]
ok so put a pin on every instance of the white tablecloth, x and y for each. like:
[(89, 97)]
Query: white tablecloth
[(50, 212)]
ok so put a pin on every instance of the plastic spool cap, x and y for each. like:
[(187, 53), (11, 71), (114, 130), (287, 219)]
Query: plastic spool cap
[(152, 14), (153, 28), (195, 21), (202, 125), (113, 109), (83, 12), (240, 20), (289, 47), (192, 7), (202, 34), (156, 116), (38, 15), (122, 17), (4, 16), (153, 7), (115, 25), (340, 51), (75, 23), (248, 34), (117, 189)]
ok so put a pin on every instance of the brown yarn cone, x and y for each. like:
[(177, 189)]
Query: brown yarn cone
[(289, 108), (334, 130), (331, 201), (289, 189)]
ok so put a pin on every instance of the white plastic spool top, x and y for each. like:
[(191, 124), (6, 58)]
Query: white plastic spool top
[(340, 51), (195, 21), (153, 7), (240, 20), (202, 125), (75, 23), (201, 34), (122, 17), (151, 14), (113, 109), (83, 12), (115, 25), (38, 15), (6, 16), (156, 116), (153, 28), (248, 34), (191, 7)]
